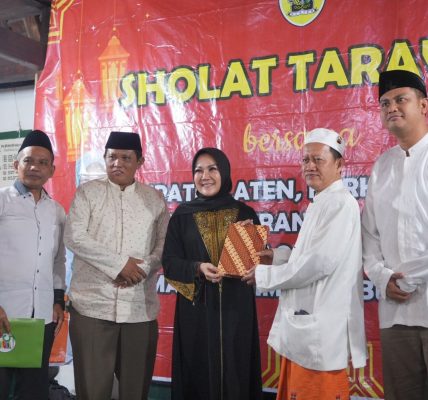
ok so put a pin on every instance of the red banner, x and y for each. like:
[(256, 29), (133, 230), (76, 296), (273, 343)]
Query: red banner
[(247, 76)]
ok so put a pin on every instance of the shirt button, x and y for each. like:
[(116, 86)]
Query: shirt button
[(40, 254), (35, 288), (37, 271)]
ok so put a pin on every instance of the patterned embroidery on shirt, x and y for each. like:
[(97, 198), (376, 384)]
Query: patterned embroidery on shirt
[(185, 289), (212, 226)]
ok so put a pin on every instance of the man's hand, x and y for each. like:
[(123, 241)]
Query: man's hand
[(393, 291), (4, 322), (58, 317), (131, 273), (266, 256), (211, 272), (250, 276), (120, 283)]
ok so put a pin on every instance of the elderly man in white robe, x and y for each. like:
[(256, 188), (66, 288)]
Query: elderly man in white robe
[(319, 324)]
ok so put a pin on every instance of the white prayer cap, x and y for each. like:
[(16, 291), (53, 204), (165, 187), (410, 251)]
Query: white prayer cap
[(328, 137)]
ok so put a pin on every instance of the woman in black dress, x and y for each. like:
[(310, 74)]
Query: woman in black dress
[(216, 353)]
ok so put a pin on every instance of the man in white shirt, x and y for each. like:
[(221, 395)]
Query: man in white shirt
[(395, 236), (319, 323), (32, 261), (116, 229)]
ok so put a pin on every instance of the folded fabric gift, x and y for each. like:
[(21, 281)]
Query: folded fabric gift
[(241, 244), (23, 346)]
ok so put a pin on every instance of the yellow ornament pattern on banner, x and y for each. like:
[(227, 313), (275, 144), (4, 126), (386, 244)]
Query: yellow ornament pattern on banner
[(59, 8)]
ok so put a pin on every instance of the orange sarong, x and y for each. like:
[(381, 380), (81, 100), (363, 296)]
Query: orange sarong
[(298, 383)]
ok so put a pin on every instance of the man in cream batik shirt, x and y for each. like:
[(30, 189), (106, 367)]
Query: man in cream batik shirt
[(116, 230)]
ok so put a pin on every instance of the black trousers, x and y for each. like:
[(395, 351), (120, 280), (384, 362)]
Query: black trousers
[(30, 383)]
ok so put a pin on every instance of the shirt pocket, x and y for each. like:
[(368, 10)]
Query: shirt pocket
[(302, 333)]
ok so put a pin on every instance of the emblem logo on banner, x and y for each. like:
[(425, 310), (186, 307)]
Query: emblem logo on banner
[(301, 12)]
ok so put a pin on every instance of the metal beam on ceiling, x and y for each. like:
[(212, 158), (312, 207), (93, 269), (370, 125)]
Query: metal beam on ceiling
[(24, 26), (21, 50)]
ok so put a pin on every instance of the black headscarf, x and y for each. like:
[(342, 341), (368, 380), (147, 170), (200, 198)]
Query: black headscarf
[(223, 199)]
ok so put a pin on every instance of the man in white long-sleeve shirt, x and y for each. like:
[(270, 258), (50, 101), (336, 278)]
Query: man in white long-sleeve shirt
[(116, 229), (395, 236), (319, 323), (32, 260)]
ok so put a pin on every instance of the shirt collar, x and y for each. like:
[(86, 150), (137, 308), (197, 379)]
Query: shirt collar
[(23, 190), (334, 187), (417, 147), (128, 189)]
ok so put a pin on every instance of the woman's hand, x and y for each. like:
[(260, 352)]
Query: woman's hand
[(211, 272)]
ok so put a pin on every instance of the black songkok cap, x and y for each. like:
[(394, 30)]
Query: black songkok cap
[(124, 141), (37, 138), (398, 78)]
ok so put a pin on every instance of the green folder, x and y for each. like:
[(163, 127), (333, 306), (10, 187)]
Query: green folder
[(23, 347)]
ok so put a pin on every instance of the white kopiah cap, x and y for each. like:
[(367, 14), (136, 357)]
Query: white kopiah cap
[(328, 137)]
